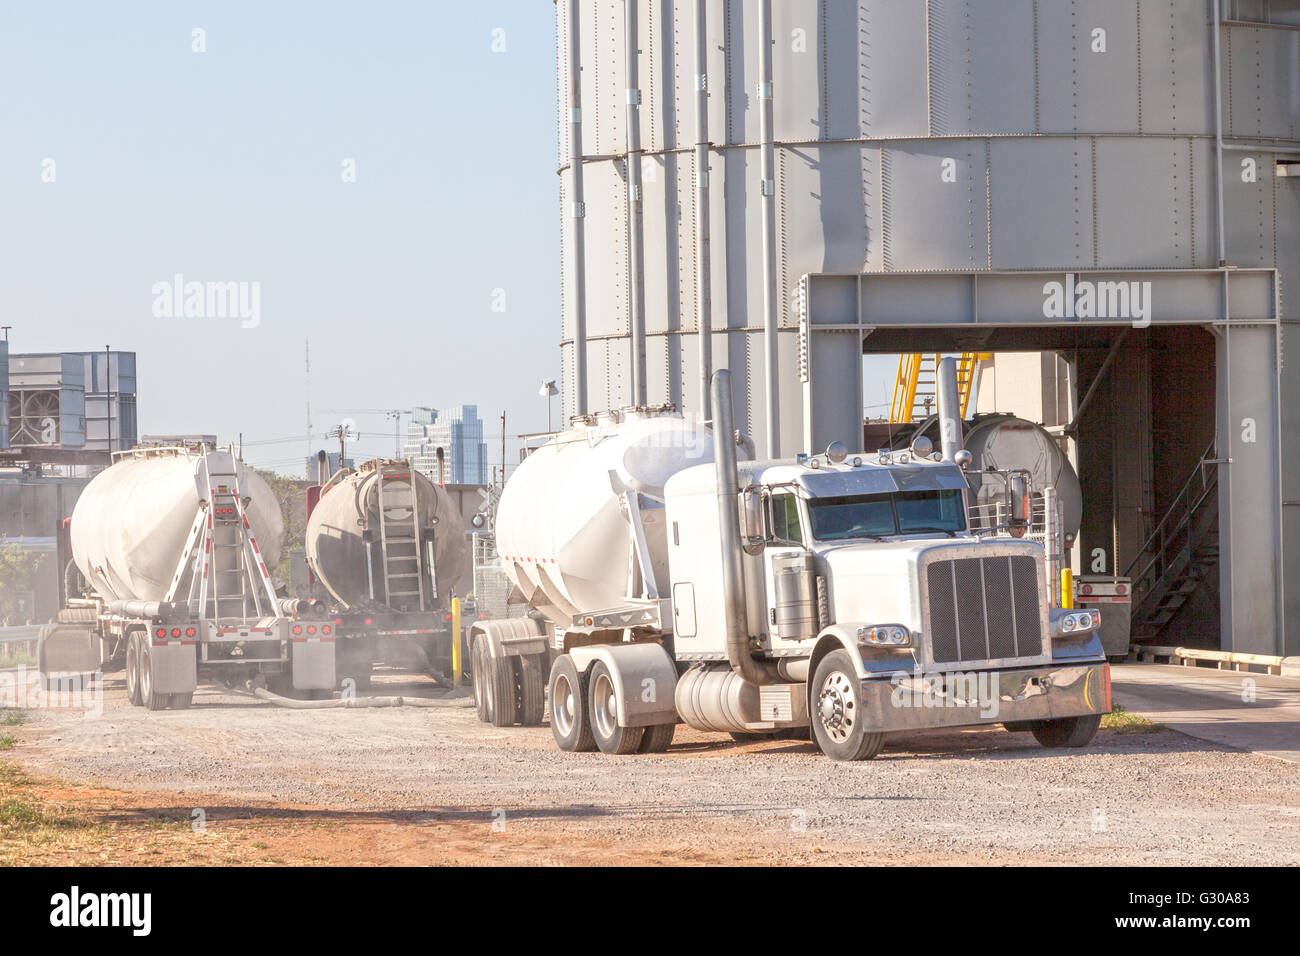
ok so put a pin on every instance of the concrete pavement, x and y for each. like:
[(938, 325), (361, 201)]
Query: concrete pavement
[(1215, 705)]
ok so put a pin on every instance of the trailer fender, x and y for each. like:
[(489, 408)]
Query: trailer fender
[(516, 636), (645, 680)]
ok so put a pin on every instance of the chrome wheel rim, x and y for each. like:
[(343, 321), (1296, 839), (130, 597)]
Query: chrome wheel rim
[(564, 705), (604, 706), (837, 706)]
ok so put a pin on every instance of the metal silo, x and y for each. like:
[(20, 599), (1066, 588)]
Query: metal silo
[(817, 179)]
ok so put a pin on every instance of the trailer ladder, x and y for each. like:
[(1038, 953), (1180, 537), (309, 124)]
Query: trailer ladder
[(228, 568), (399, 538), (915, 387)]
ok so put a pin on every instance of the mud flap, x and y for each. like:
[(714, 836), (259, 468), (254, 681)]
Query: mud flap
[(67, 649), (312, 664), (173, 667)]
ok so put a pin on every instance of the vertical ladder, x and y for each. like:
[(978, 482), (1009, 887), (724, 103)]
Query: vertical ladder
[(399, 538), (916, 386), (233, 571)]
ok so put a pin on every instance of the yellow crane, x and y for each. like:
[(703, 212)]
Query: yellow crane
[(915, 396)]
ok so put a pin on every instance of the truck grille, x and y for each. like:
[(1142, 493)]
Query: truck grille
[(984, 608)]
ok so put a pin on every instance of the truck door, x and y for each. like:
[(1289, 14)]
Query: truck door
[(783, 557)]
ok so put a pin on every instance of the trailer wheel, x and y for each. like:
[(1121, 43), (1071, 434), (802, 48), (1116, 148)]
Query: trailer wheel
[(570, 720), (838, 720), (133, 669), (1066, 731), (182, 701), (532, 691), (657, 738), (500, 678), (602, 703), (480, 684), (147, 696)]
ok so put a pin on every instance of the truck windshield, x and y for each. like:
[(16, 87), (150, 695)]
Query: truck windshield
[(873, 516)]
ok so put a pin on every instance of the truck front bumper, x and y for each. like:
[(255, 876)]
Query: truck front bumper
[(911, 701)]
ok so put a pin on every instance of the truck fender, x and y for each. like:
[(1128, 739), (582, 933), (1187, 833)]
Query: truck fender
[(515, 636), (645, 680), (834, 638)]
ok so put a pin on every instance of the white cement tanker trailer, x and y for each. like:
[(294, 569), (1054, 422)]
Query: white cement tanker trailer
[(847, 596), (174, 546), (390, 548)]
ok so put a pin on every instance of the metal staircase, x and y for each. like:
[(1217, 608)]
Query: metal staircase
[(1181, 552), (916, 385), (399, 539)]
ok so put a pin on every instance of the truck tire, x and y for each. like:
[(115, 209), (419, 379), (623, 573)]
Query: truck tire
[(476, 667), (182, 701), (503, 701), (133, 669), (611, 736), (657, 738), (1066, 731), (570, 721), (837, 718), (147, 696), (532, 691)]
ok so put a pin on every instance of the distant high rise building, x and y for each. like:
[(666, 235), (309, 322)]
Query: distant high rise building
[(459, 433), (331, 466)]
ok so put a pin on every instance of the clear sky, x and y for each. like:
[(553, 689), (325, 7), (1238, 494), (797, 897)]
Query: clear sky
[(228, 165), (127, 157)]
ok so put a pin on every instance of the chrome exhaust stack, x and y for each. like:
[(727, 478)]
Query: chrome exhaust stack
[(733, 570)]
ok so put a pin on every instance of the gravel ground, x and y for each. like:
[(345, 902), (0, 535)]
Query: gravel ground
[(944, 796)]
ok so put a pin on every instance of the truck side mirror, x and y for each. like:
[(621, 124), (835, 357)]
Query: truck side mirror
[(752, 537)]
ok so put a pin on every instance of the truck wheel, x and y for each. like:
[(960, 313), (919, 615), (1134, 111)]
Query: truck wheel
[(500, 677), (657, 738), (147, 696), (182, 701), (838, 720), (480, 683), (532, 692), (602, 703), (570, 720), (133, 669), (1067, 731)]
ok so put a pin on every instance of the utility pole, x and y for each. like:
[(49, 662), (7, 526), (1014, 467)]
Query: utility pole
[(108, 396), (396, 416)]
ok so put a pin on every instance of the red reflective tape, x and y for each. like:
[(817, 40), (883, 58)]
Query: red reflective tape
[(262, 565), (246, 524), (253, 542), (188, 643)]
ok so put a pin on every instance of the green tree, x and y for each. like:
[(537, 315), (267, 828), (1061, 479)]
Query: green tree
[(19, 568), (291, 493)]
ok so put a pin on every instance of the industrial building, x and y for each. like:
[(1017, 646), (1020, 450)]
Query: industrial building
[(82, 401), (1112, 187), (458, 432)]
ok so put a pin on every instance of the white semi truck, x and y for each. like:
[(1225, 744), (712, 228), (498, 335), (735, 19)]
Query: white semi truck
[(669, 582), (173, 546)]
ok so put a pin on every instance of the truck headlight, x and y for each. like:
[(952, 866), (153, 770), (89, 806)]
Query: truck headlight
[(891, 635), (1076, 622)]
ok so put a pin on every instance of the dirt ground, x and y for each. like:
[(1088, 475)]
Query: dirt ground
[(238, 780)]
